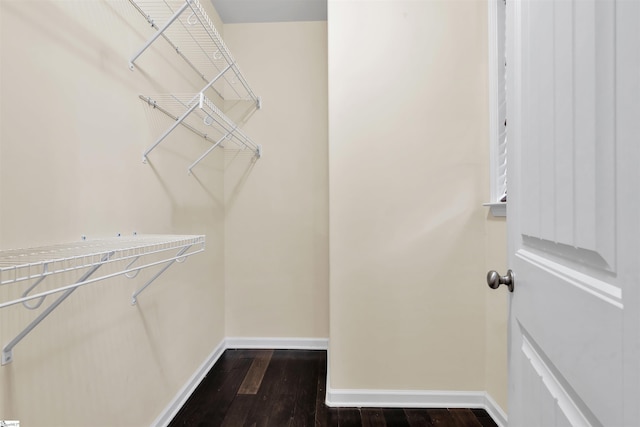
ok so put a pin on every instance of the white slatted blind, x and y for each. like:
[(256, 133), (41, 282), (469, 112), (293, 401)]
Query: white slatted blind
[(501, 184), (498, 100)]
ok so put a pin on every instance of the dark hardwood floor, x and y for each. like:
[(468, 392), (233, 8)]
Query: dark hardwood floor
[(278, 388)]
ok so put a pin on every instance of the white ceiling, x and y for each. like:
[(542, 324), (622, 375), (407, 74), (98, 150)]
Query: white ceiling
[(244, 11)]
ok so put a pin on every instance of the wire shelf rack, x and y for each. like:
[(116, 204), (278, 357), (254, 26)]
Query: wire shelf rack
[(32, 263), (128, 255), (199, 114), (185, 25)]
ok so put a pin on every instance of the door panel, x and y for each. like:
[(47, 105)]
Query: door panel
[(557, 401), (574, 218), (576, 326), (569, 180)]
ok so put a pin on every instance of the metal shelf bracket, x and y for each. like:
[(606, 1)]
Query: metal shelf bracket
[(18, 267)]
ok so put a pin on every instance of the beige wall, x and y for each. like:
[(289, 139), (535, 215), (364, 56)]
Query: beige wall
[(276, 229), (408, 156), (72, 135)]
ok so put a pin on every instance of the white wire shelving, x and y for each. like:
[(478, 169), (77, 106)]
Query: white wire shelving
[(28, 268), (198, 113), (185, 25)]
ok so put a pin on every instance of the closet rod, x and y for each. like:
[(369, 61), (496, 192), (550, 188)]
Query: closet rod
[(155, 105)]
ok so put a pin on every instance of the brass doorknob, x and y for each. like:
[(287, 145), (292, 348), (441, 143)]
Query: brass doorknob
[(494, 280)]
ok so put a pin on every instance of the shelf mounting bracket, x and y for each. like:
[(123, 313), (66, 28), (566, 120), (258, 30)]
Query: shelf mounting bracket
[(134, 297), (7, 351)]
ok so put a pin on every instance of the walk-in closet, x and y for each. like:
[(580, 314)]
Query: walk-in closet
[(178, 179)]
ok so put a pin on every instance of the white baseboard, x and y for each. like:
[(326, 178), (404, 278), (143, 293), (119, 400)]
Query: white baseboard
[(338, 397), (180, 399), (416, 399), (405, 399), (496, 412), (278, 343)]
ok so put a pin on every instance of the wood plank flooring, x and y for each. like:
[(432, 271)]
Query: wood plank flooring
[(286, 388)]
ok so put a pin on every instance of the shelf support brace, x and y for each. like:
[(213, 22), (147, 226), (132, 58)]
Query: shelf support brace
[(7, 351), (215, 79), (168, 131), (134, 297), (206, 153), (159, 32), (185, 114)]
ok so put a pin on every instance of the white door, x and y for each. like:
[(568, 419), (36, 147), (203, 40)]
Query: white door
[(573, 87)]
